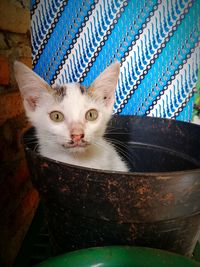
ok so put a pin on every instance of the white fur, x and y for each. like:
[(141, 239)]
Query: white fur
[(53, 136), (196, 120)]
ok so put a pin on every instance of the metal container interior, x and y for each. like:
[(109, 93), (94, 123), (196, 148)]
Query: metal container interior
[(156, 204)]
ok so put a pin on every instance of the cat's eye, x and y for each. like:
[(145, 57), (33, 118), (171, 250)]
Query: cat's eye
[(91, 115), (56, 116)]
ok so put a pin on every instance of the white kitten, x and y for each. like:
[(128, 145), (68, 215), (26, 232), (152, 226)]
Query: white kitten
[(70, 121)]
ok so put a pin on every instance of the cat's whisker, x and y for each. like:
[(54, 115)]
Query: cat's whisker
[(53, 138), (36, 147), (111, 140), (122, 152), (119, 145), (32, 142), (116, 144), (99, 144), (115, 133), (29, 138), (112, 130)]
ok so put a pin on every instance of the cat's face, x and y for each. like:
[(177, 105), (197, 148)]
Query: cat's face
[(71, 119), (68, 115)]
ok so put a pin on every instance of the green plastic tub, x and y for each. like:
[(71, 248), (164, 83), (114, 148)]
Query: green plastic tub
[(119, 256)]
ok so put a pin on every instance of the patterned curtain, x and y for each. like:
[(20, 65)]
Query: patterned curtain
[(157, 43)]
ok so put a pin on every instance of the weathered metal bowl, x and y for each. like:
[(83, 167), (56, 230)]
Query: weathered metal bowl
[(156, 205)]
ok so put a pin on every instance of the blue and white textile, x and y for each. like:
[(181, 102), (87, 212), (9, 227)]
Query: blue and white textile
[(157, 43)]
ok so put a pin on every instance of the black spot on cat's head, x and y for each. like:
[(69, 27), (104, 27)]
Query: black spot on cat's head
[(83, 89), (60, 92)]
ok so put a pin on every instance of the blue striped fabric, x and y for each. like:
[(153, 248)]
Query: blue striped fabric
[(157, 43)]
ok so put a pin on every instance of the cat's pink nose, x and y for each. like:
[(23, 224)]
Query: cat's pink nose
[(77, 137)]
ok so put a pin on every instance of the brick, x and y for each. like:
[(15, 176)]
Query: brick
[(10, 106), (21, 3), (11, 147), (4, 70), (27, 61), (24, 51), (13, 18), (15, 53), (18, 199), (3, 44), (17, 39)]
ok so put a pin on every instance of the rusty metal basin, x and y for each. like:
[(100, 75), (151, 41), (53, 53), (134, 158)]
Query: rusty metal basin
[(156, 204)]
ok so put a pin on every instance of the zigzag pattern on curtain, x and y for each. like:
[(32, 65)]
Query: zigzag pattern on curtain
[(157, 43)]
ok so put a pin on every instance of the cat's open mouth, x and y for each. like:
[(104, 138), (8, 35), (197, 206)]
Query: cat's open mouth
[(72, 144)]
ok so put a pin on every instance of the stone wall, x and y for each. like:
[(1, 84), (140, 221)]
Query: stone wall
[(18, 199)]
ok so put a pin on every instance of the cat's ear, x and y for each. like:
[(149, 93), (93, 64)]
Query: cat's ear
[(32, 86), (105, 84)]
